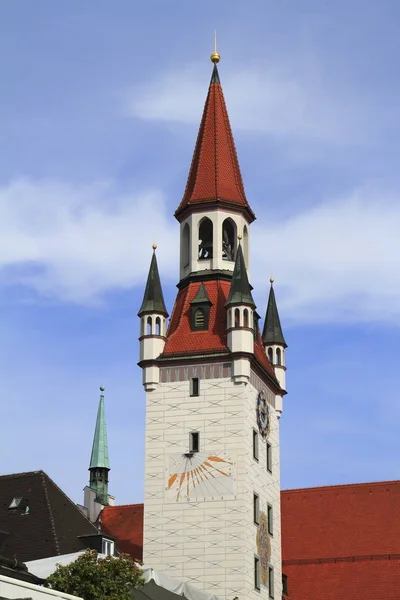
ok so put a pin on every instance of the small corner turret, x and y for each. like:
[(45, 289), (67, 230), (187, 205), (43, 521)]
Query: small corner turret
[(153, 324), (272, 336), (240, 308)]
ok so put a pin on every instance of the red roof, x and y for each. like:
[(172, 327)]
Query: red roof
[(342, 541), (338, 542), (214, 175), (182, 341), (125, 524)]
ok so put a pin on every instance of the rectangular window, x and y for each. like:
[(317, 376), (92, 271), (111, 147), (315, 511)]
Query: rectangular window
[(194, 386), (257, 573), (256, 508), (255, 444), (271, 582), (194, 441), (284, 584), (269, 457), (270, 520), (107, 547)]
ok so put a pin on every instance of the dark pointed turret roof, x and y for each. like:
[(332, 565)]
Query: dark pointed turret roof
[(272, 332), (99, 457), (214, 177), (153, 299), (240, 292)]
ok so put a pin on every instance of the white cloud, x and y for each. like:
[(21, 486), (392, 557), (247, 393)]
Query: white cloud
[(336, 262), (280, 101), (78, 242)]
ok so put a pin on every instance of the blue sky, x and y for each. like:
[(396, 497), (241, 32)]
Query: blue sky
[(100, 105)]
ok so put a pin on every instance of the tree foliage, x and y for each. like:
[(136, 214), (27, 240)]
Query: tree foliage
[(93, 578)]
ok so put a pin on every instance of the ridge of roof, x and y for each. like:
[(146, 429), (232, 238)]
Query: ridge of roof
[(214, 175), (22, 474), (123, 506), (51, 516), (341, 486)]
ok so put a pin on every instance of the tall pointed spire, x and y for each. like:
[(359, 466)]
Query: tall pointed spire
[(99, 460), (153, 299), (240, 292), (272, 332), (214, 177)]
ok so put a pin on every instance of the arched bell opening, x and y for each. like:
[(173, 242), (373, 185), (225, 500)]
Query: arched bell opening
[(228, 239), (205, 239), (185, 245)]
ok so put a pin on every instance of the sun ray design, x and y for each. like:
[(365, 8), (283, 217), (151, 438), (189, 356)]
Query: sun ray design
[(200, 476)]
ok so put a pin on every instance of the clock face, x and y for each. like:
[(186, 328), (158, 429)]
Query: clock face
[(263, 414), (200, 476)]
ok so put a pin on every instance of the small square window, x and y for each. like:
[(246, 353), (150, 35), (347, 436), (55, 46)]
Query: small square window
[(257, 578), (255, 444), (270, 515), (269, 457), (256, 508), (194, 386), (271, 582), (194, 441), (15, 502)]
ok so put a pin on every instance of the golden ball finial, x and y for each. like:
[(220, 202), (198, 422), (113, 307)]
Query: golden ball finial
[(215, 57), (154, 246), (271, 280)]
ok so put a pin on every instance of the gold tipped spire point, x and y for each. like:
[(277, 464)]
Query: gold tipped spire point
[(214, 56), (271, 280), (154, 246)]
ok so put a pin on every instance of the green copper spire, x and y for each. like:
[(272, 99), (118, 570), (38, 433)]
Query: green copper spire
[(272, 332), (99, 461), (153, 299), (240, 292)]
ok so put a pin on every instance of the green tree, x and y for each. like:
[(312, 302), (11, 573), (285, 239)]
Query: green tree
[(93, 578)]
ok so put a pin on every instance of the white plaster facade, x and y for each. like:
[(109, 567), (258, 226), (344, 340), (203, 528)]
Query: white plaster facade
[(211, 542)]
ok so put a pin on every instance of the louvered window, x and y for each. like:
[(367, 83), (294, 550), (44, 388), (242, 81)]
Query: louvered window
[(199, 318)]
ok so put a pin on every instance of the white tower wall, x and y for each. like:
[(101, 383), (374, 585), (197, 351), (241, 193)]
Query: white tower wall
[(206, 535)]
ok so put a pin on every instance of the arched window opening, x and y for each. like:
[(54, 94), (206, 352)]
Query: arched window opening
[(228, 240), (246, 245), (142, 326), (205, 239), (158, 326), (278, 356), (245, 318), (186, 245), (237, 317), (149, 325), (199, 318), (270, 356), (229, 319)]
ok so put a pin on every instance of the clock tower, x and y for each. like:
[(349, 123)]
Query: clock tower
[(213, 390)]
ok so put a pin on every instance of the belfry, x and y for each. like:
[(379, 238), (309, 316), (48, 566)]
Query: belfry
[(214, 387)]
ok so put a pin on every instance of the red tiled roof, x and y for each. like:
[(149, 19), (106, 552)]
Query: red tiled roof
[(180, 337), (356, 519), (182, 341), (358, 580), (342, 542), (214, 175), (125, 524)]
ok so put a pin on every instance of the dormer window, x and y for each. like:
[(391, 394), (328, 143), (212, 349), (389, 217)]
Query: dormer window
[(15, 502), (107, 547), (199, 318), (200, 310)]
